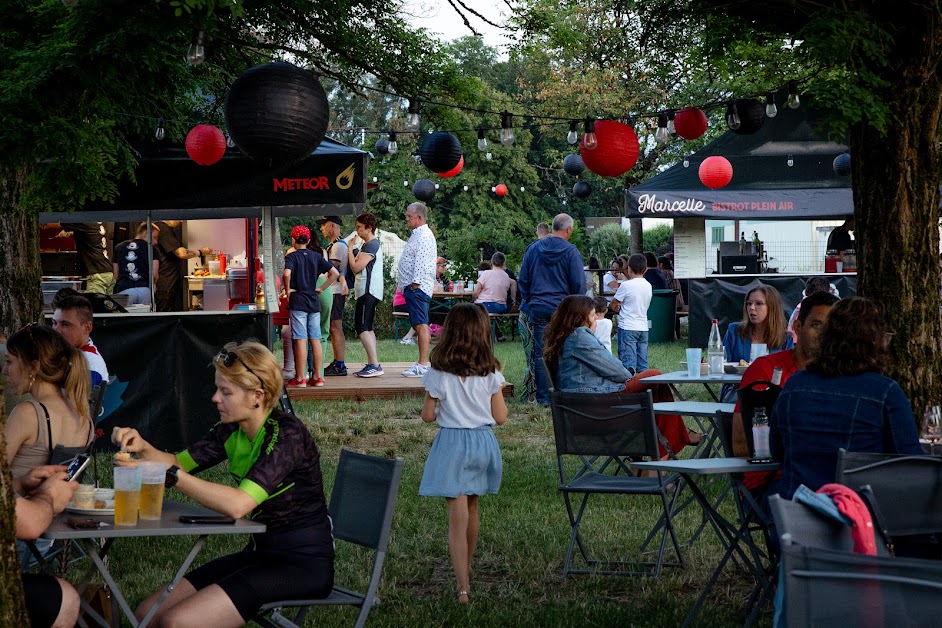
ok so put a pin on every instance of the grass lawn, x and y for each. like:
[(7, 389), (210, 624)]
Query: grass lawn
[(524, 530)]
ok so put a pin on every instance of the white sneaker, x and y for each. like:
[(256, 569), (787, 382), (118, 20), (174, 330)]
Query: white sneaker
[(416, 370), (407, 341)]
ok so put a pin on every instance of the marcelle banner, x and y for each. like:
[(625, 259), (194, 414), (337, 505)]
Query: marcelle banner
[(731, 205)]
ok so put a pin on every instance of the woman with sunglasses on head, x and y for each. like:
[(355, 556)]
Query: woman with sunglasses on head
[(276, 463)]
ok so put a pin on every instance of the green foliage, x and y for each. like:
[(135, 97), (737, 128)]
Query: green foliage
[(659, 239), (608, 241)]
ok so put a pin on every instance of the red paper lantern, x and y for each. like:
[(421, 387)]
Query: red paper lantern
[(690, 123), (716, 172), (205, 144), (617, 150), (500, 189), (449, 174)]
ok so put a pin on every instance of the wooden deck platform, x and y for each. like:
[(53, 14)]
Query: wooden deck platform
[(391, 385)]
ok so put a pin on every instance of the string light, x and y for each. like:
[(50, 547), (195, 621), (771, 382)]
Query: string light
[(393, 144), (670, 122), (793, 101), (196, 53), (229, 141), (573, 136), (662, 134), (588, 138), (412, 119), (506, 128), (770, 109), (791, 160), (160, 133), (482, 141), (686, 161), (732, 117)]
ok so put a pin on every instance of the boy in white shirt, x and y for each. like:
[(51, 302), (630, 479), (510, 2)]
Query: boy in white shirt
[(631, 301), (603, 326)]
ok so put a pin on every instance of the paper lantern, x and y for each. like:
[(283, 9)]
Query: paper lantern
[(573, 164), (440, 151), (454, 171), (842, 165), (276, 113), (616, 152), (751, 115), (500, 189), (716, 172), (423, 190), (382, 146), (690, 123), (581, 189), (205, 144)]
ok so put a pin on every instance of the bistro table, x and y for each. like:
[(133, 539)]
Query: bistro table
[(673, 379), (168, 525), (736, 536), (443, 301)]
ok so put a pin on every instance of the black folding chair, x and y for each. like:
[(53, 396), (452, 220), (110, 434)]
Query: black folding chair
[(596, 438), (361, 509)]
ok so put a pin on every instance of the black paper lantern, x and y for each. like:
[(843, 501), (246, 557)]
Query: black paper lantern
[(277, 113), (582, 189), (382, 146), (573, 164), (423, 190), (440, 151), (842, 165), (751, 114)]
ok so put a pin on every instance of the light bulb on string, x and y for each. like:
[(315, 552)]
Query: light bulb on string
[(733, 120), (160, 133), (770, 109), (573, 136), (482, 141), (375, 179), (523, 189), (393, 144), (412, 119), (436, 186), (588, 138), (405, 184), (465, 188), (196, 53), (686, 161), (670, 122), (791, 160), (793, 100), (506, 128), (662, 135), (493, 188), (229, 141), (488, 156)]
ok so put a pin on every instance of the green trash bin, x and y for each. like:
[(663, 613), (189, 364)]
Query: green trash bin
[(661, 315)]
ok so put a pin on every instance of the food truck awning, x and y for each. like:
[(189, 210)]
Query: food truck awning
[(170, 185), (763, 185)]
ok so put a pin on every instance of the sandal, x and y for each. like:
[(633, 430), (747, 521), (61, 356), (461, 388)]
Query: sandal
[(465, 595)]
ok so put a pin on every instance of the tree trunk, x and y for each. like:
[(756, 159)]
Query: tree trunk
[(896, 200), (20, 303), (636, 236)]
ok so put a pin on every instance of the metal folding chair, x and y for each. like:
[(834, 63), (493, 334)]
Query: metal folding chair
[(596, 438), (361, 509)]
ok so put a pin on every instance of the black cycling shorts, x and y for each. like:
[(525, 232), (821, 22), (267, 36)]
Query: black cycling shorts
[(364, 312), (43, 599)]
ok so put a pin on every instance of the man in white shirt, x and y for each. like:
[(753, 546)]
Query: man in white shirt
[(631, 301), (417, 281)]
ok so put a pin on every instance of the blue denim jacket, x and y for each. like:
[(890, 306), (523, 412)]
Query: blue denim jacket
[(586, 366), (816, 415)]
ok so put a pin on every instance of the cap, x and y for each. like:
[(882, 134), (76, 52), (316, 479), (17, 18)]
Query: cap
[(334, 219), (300, 230)]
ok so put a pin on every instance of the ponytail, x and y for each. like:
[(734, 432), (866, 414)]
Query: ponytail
[(77, 384)]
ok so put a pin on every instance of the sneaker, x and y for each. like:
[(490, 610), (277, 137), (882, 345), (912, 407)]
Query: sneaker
[(316, 381), (333, 370), (416, 370), (407, 341), (296, 383), (370, 370)]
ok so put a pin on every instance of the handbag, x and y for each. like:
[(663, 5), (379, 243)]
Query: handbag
[(99, 597)]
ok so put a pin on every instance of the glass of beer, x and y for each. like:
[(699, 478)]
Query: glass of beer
[(152, 489), (127, 495)]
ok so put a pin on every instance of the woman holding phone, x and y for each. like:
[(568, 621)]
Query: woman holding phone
[(277, 466)]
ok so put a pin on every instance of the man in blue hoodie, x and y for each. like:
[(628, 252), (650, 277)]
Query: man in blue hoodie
[(552, 270)]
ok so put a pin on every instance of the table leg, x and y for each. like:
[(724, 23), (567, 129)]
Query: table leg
[(176, 580)]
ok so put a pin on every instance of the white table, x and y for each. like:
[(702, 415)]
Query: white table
[(168, 525), (674, 378), (736, 536)]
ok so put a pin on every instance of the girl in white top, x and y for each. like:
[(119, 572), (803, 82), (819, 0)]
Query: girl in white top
[(603, 326), (463, 394)]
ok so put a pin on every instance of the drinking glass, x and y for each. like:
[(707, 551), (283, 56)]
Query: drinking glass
[(757, 350), (932, 424), (693, 362), (153, 475), (127, 495)]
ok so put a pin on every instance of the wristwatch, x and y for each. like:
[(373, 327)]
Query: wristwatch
[(171, 479)]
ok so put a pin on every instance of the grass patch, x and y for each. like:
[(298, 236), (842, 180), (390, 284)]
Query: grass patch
[(524, 529)]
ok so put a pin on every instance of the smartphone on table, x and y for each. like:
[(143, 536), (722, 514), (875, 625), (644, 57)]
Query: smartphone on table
[(206, 519)]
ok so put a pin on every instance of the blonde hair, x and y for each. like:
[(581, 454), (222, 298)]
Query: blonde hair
[(255, 368)]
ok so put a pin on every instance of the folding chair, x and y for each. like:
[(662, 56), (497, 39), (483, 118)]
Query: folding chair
[(361, 509), (596, 437), (550, 377), (908, 490)]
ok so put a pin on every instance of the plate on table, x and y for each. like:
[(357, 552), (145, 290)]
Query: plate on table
[(104, 497), (734, 368)]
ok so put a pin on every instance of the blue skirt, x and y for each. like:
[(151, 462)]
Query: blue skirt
[(462, 462)]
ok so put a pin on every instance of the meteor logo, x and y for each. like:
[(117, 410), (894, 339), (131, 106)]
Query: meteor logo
[(345, 179)]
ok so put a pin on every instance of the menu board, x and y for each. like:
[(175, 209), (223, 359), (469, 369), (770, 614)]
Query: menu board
[(689, 247)]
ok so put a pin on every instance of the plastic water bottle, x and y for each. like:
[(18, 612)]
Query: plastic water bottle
[(715, 353), (760, 434)]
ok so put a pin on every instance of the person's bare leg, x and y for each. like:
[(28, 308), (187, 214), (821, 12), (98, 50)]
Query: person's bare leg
[(300, 358), (287, 348), (70, 607), (368, 338), (317, 351), (458, 543), (182, 591), (337, 342), (409, 334), (207, 607), (424, 340), (474, 527)]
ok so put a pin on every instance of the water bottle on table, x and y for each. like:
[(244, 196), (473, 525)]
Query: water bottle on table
[(715, 353), (760, 434)]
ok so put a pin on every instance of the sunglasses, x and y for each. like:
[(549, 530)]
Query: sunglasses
[(228, 358)]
